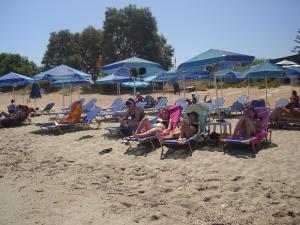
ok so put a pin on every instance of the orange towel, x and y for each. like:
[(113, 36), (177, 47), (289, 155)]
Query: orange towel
[(74, 115)]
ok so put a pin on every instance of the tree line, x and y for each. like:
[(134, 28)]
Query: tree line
[(126, 32)]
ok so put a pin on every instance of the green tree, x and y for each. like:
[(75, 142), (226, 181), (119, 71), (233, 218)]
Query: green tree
[(90, 44), (18, 64), (296, 49), (132, 32), (63, 48)]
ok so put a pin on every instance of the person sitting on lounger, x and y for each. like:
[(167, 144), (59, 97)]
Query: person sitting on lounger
[(146, 129), (134, 115), (8, 120), (290, 112), (139, 97), (207, 98), (12, 108), (248, 125), (186, 128)]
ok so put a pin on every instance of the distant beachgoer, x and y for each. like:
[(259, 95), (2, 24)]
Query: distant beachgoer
[(290, 112), (13, 119), (176, 88), (207, 98), (139, 97), (12, 108)]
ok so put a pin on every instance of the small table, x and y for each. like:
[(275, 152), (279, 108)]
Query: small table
[(224, 126)]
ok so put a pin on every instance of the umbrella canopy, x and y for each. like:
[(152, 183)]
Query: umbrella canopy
[(286, 63), (73, 82), (263, 70), (153, 77), (14, 79), (119, 76), (62, 72), (133, 62), (223, 58), (138, 84), (35, 91)]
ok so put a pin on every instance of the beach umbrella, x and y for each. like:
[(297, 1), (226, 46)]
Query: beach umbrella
[(264, 71), (117, 77), (13, 80), (62, 72), (286, 63), (142, 66), (224, 59), (35, 92)]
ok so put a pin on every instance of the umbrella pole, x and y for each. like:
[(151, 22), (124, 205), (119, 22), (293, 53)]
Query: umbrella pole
[(153, 89), (217, 96), (23, 96), (14, 94), (266, 83), (183, 77), (163, 88), (71, 93), (134, 89), (63, 95), (222, 88), (248, 88)]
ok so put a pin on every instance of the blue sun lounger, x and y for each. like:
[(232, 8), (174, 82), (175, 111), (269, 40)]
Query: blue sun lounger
[(85, 122)]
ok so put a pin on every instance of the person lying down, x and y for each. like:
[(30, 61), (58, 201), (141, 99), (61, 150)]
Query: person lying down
[(186, 128)]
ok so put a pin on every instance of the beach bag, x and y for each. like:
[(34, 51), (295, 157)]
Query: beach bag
[(213, 139)]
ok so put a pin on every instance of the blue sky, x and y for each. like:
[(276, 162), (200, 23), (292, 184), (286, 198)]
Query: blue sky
[(263, 28)]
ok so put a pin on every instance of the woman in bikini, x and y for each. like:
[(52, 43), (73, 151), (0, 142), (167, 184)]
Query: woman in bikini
[(186, 128), (146, 129), (248, 125)]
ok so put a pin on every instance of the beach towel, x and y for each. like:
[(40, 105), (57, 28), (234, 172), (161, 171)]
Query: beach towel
[(74, 115)]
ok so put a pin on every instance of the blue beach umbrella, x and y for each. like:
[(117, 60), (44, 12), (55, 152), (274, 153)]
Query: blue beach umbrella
[(264, 71), (35, 93), (141, 65), (13, 80)]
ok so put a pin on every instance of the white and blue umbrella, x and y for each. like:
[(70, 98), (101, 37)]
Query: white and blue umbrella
[(141, 65), (264, 71), (13, 80)]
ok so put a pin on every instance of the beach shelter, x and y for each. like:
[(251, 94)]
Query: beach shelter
[(264, 71), (117, 77), (13, 80), (224, 59), (35, 92), (62, 72), (144, 67)]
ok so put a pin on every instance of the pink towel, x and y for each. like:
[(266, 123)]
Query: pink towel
[(175, 113)]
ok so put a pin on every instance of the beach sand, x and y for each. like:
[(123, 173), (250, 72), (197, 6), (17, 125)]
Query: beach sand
[(62, 179)]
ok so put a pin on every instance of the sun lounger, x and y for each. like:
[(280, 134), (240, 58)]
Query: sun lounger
[(263, 113), (203, 113), (81, 101), (85, 122), (236, 107), (116, 109), (48, 108), (160, 104)]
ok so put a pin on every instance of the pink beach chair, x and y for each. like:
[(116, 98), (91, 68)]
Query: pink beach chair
[(263, 113)]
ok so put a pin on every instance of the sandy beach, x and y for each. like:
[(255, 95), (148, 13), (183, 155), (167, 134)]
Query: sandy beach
[(47, 178)]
